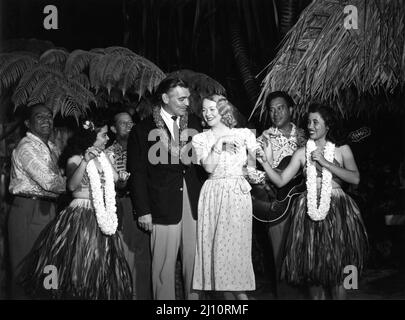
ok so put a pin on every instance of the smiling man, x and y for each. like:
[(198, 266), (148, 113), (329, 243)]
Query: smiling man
[(36, 182), (165, 194)]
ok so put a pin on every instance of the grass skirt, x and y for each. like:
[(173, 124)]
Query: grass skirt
[(89, 264), (318, 251)]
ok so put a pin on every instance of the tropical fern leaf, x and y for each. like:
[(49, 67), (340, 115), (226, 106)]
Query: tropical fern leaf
[(41, 90), (98, 50), (119, 50), (54, 57), (131, 71), (12, 68), (77, 62), (83, 79), (113, 70), (70, 99), (94, 71), (124, 70), (29, 81)]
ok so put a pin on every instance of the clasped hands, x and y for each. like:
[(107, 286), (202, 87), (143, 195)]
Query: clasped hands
[(317, 155), (232, 144)]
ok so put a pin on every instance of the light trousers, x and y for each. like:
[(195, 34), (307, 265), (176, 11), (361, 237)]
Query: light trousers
[(166, 242)]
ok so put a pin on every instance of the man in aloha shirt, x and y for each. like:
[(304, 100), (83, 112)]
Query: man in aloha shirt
[(279, 141), (36, 182), (136, 242)]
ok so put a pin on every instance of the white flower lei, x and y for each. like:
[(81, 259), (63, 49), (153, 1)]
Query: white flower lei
[(314, 212), (105, 213)]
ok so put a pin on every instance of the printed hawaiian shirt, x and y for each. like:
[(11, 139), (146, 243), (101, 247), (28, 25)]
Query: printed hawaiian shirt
[(35, 170), (281, 145), (118, 157)]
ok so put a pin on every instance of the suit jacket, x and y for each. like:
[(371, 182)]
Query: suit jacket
[(157, 188)]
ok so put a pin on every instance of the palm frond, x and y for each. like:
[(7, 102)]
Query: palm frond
[(321, 61), (12, 67)]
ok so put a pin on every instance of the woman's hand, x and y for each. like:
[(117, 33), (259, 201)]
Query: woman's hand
[(232, 143), (91, 153), (317, 155)]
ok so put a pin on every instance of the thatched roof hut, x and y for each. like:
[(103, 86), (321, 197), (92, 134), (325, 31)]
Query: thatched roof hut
[(354, 70)]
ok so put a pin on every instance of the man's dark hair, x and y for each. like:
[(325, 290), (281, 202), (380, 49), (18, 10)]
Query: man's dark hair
[(280, 94), (169, 83)]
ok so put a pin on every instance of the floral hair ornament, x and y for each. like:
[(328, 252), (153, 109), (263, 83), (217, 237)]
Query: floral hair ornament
[(88, 125)]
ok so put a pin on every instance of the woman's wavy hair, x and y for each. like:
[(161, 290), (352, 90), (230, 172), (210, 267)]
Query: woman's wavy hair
[(332, 121), (226, 110), (83, 138)]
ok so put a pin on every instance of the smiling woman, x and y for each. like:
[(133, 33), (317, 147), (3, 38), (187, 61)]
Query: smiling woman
[(334, 236)]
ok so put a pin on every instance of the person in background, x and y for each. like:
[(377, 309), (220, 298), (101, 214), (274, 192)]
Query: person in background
[(36, 183), (281, 140), (136, 241)]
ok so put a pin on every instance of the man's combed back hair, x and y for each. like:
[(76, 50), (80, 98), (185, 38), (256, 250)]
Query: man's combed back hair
[(280, 94)]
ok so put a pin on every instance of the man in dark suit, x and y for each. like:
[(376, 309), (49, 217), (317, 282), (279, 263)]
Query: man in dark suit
[(165, 186)]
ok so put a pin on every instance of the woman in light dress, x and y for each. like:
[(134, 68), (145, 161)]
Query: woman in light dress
[(224, 228)]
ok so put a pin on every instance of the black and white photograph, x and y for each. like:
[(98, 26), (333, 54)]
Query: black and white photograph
[(220, 151)]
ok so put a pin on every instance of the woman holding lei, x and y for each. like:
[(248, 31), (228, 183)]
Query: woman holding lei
[(327, 232), (82, 242)]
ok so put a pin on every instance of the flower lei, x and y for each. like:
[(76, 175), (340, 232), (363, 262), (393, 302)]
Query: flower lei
[(105, 213), (314, 212), (164, 136)]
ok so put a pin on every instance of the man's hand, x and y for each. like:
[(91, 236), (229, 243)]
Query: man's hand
[(123, 176), (145, 222)]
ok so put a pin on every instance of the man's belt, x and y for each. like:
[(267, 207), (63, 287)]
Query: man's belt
[(36, 197)]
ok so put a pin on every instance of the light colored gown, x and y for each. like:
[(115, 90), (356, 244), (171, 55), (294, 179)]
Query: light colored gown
[(224, 227)]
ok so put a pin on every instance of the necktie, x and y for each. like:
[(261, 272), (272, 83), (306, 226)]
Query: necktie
[(175, 130)]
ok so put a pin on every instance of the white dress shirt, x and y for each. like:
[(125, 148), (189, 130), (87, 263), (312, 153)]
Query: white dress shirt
[(167, 118)]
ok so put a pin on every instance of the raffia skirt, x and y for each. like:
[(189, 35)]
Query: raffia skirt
[(317, 252), (89, 264)]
